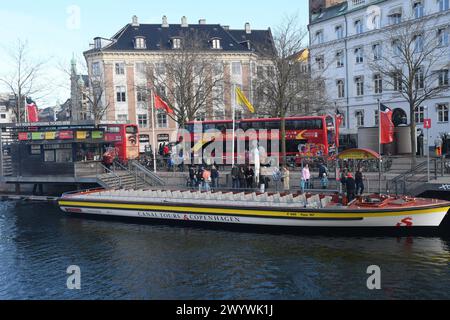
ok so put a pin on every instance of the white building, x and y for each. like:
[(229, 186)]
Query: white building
[(6, 105), (345, 36)]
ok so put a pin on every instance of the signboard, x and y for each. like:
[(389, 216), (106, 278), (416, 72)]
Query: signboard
[(38, 136), (23, 136), (358, 154), (97, 135), (427, 123), (113, 137), (163, 138), (82, 135), (65, 135), (50, 136)]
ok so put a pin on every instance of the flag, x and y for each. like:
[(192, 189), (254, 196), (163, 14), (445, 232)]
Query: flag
[(32, 111), (242, 100), (160, 104), (386, 124), (339, 119)]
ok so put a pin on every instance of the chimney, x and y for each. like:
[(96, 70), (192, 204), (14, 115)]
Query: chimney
[(202, 21), (165, 23), (226, 28), (248, 29), (184, 22), (135, 21)]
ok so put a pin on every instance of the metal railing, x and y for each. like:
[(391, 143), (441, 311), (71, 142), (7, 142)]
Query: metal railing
[(108, 171), (146, 175)]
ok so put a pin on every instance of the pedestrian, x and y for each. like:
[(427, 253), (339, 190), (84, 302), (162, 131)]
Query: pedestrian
[(242, 179), (250, 177), (344, 180), (206, 180), (235, 177), (306, 177), (324, 181), (215, 175), (351, 187), (199, 175), (192, 177), (359, 180), (286, 179)]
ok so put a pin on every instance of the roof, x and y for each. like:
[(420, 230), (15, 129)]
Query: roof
[(330, 12), (159, 38)]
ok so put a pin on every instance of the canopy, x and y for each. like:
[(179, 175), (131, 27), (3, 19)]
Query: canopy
[(359, 154)]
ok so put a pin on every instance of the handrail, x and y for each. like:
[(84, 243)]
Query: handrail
[(148, 173), (111, 172)]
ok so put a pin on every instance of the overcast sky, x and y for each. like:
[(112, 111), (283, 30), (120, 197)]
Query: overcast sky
[(55, 30)]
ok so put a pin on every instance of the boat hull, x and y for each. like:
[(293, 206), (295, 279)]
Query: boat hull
[(408, 218)]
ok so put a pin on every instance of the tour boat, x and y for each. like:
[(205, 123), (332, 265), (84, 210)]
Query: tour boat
[(264, 209)]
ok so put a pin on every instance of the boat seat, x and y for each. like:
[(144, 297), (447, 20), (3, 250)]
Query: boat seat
[(326, 201)]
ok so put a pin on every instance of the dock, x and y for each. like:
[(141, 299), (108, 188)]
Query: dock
[(28, 198)]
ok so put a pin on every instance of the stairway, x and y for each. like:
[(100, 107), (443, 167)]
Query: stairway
[(7, 166), (401, 165), (122, 180)]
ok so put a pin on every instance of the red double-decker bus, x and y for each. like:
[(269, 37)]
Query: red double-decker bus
[(125, 138), (312, 136)]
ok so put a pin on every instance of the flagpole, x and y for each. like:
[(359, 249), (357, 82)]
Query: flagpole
[(153, 130), (379, 146), (233, 106)]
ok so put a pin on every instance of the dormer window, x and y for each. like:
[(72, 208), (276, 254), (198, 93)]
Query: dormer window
[(176, 43), (215, 43), (140, 43), (98, 43)]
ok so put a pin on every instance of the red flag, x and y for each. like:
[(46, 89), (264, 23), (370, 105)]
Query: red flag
[(32, 110), (160, 104), (339, 119), (386, 124)]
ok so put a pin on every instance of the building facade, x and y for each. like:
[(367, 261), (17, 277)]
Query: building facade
[(118, 63), (345, 37), (79, 95), (7, 103)]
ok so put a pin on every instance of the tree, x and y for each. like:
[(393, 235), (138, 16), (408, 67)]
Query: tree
[(189, 78), (23, 79), (286, 84), (410, 64)]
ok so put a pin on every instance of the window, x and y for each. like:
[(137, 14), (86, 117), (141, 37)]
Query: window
[(442, 110), (162, 119), (320, 60), (141, 69), (176, 43), (141, 96), (378, 84), (419, 114), (418, 9), (376, 117), (397, 81), (140, 43), (359, 82), (418, 43), (376, 49), (98, 43), (340, 59), (63, 155), (236, 68), (35, 150), (443, 5), (359, 54), (319, 37), (443, 37), (160, 69), (341, 88), (49, 156), (143, 121), (122, 117), (396, 47), (359, 118), (96, 69), (395, 18), (2, 116), (121, 95), (339, 32), (120, 68), (239, 115), (216, 44), (419, 79), (443, 78), (358, 27)]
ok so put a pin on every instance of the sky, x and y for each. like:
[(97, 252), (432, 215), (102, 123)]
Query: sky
[(56, 30)]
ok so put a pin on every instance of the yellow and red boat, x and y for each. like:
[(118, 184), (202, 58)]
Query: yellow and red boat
[(264, 209)]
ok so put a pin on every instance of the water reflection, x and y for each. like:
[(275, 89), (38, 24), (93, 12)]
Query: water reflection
[(120, 260)]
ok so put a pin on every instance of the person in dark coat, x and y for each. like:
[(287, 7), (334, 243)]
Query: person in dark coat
[(351, 187), (250, 177), (242, 179), (235, 177), (359, 179)]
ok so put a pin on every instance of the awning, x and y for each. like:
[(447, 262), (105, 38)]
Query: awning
[(359, 154)]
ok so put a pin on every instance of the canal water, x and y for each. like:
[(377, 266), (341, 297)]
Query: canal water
[(125, 260)]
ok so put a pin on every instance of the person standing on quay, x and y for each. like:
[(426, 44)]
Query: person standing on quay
[(351, 187), (306, 177), (286, 179), (235, 177), (215, 177), (359, 179)]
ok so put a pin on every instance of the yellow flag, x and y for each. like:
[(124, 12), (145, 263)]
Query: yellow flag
[(243, 101)]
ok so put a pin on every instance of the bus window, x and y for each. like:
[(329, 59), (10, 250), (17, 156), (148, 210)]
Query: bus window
[(131, 130)]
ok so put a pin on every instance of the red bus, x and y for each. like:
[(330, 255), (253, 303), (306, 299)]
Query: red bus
[(312, 136), (125, 138)]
